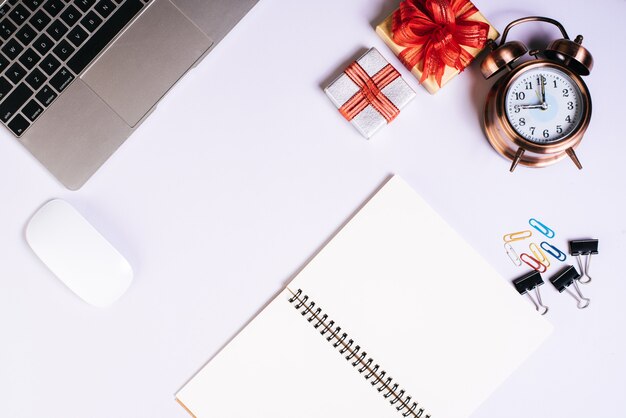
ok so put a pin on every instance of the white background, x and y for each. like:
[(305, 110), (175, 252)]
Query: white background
[(246, 169)]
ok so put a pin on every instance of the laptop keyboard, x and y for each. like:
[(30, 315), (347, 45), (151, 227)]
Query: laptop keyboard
[(46, 44)]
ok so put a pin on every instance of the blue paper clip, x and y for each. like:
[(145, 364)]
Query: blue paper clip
[(541, 228), (553, 251)]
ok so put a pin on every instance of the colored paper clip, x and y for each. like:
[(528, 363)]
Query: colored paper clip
[(567, 277), (553, 251), (539, 254), (529, 282), (541, 228), (517, 236), (585, 247), (512, 254), (533, 263)]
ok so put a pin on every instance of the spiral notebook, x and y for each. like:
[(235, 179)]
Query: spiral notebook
[(395, 316)]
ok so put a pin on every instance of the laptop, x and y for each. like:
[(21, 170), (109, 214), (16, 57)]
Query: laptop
[(77, 77)]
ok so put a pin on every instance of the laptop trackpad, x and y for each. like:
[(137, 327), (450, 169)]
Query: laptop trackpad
[(145, 61)]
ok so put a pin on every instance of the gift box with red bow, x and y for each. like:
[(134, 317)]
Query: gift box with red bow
[(436, 39), (370, 93)]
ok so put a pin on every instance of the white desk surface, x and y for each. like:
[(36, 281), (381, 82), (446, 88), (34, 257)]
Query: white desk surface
[(246, 169)]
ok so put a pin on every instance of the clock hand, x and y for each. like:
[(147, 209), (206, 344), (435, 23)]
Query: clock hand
[(539, 106), (544, 105)]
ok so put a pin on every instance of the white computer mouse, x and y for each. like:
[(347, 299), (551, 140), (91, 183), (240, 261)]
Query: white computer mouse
[(77, 254)]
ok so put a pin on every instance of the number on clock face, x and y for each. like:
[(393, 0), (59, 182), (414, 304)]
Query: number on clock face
[(548, 114)]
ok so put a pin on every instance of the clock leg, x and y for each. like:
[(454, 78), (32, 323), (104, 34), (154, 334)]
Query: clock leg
[(518, 157), (572, 155)]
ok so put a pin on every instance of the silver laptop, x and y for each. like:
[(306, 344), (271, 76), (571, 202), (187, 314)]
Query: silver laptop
[(77, 77)]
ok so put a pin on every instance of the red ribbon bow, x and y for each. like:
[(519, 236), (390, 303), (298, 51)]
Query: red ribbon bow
[(434, 32)]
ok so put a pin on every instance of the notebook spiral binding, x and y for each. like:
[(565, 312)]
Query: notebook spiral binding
[(385, 385)]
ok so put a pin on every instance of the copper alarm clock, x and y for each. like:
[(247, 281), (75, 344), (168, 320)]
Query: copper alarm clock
[(539, 111)]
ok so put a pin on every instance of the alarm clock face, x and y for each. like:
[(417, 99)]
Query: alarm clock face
[(544, 105)]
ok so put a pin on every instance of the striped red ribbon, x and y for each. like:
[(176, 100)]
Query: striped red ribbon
[(370, 92)]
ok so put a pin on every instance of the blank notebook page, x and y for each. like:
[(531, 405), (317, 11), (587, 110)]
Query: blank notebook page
[(279, 367), (405, 288)]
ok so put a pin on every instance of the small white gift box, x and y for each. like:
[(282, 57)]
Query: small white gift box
[(370, 93)]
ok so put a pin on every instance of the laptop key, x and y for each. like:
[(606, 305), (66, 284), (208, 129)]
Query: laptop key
[(4, 9), (91, 21), (26, 34), (4, 63), (33, 4), (6, 29), (18, 125), (15, 73), (49, 64), (12, 49), (36, 78), (5, 87), (70, 15), (54, 7), (19, 14), (101, 38), (77, 36), (40, 20), (46, 96), (57, 29), (105, 8), (84, 5), (14, 101), (29, 59), (63, 50), (32, 110), (43, 44), (62, 79)]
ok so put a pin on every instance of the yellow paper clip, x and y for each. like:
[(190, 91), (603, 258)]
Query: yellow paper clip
[(517, 236), (533, 263), (539, 254)]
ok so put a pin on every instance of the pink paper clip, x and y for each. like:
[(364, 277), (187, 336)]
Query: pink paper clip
[(533, 263)]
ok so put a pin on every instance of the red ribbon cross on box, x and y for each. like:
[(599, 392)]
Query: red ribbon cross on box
[(370, 92)]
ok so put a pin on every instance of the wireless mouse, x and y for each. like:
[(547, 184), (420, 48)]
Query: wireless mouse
[(77, 254)]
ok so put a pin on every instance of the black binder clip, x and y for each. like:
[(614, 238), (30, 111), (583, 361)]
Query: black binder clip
[(567, 277), (585, 247), (526, 284)]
